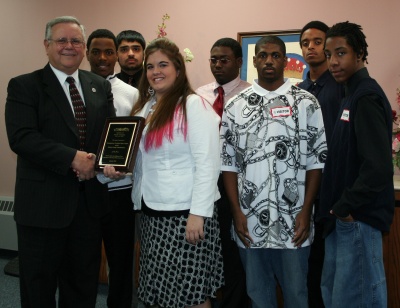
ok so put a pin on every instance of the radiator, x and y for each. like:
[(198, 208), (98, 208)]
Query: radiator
[(8, 229)]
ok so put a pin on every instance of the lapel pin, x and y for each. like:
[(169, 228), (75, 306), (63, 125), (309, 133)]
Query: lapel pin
[(93, 90)]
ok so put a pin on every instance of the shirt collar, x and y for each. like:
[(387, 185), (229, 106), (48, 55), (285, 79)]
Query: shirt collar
[(282, 90), (138, 73), (61, 76), (228, 87), (353, 81), (112, 76), (321, 79)]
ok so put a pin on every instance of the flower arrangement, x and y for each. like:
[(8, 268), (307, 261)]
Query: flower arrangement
[(161, 28), (162, 33), (396, 133)]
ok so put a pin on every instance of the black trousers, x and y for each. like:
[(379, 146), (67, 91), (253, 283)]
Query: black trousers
[(315, 264), (118, 231), (234, 291), (68, 257)]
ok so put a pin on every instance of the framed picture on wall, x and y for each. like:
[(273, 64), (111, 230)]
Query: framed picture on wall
[(296, 69)]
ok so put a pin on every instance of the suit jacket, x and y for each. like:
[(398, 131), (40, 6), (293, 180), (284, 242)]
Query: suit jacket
[(42, 131), (161, 173)]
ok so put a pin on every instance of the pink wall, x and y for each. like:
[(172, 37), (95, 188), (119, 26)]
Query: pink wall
[(193, 24)]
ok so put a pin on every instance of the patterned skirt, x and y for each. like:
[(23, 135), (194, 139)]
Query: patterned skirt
[(174, 273)]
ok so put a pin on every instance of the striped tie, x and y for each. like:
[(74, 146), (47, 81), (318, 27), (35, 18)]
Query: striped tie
[(79, 110)]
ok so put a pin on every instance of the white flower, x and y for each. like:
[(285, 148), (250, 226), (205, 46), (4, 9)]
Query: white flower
[(189, 56)]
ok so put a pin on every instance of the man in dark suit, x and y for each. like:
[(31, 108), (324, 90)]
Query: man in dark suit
[(58, 201)]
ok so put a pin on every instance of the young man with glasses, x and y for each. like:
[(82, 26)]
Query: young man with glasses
[(54, 119), (130, 46), (225, 62)]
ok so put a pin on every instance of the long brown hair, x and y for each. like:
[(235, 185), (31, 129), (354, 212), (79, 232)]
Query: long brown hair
[(174, 99)]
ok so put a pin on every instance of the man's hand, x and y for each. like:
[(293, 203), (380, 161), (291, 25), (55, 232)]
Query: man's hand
[(239, 219), (194, 229), (83, 165), (302, 228), (344, 219), (240, 223)]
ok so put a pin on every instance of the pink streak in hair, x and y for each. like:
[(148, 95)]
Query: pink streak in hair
[(154, 139)]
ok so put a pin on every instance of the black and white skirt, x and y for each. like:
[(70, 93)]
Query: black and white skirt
[(174, 273)]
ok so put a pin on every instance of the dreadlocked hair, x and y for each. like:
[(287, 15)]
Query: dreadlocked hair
[(353, 35), (173, 102)]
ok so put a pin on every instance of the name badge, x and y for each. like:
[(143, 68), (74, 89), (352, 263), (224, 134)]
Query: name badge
[(281, 112), (345, 115)]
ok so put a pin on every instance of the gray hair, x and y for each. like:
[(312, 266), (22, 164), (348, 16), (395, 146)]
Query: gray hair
[(59, 20)]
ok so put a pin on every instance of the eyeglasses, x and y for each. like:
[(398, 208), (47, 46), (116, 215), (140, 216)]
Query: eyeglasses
[(63, 42), (223, 61)]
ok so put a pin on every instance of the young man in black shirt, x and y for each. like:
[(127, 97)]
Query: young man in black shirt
[(131, 45), (357, 195), (323, 86)]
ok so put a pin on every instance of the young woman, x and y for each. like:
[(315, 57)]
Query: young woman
[(175, 185)]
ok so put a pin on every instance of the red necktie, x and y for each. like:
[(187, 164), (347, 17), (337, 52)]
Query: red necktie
[(79, 110), (219, 101)]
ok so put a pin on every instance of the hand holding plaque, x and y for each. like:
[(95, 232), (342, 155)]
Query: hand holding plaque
[(119, 143)]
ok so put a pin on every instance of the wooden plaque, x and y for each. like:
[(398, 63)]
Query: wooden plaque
[(119, 143)]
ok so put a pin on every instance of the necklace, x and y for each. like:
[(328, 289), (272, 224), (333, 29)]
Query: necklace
[(152, 108)]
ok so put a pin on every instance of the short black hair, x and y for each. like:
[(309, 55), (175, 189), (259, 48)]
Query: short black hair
[(273, 40), (353, 35), (101, 33), (230, 43), (315, 24), (131, 36)]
